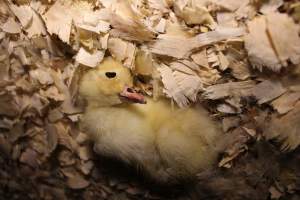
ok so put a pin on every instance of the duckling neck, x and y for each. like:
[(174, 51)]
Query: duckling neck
[(103, 102)]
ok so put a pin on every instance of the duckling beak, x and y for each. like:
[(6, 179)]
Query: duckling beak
[(130, 95)]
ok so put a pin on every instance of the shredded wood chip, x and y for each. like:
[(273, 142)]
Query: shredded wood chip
[(30, 20), (230, 5), (123, 51), (267, 43), (181, 47), (160, 5), (181, 86), (267, 91), (220, 91), (286, 48), (270, 6), (201, 58), (67, 106), (89, 59), (127, 23), (42, 75), (192, 12), (286, 102), (11, 26), (59, 21), (8, 105), (286, 129)]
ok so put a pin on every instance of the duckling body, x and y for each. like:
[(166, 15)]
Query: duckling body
[(168, 143)]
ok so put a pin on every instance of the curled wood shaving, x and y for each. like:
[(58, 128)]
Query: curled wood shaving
[(286, 102), (267, 91), (171, 87), (11, 26), (286, 129), (160, 5), (42, 76), (89, 59), (267, 43), (61, 16), (230, 5), (8, 105), (286, 48), (180, 86), (67, 106), (122, 51), (220, 91), (30, 20), (181, 47), (59, 21), (270, 6), (127, 23), (192, 12)]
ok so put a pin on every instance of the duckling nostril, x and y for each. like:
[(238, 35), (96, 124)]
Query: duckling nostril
[(130, 90)]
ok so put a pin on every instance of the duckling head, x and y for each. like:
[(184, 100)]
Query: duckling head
[(109, 84)]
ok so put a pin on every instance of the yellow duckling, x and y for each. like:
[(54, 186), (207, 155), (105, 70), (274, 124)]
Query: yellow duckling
[(169, 144)]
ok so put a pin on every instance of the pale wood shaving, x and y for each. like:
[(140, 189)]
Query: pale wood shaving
[(230, 5), (181, 47), (30, 20), (42, 76), (171, 86), (89, 59), (160, 5), (286, 48), (193, 13), (59, 21), (11, 26), (122, 51), (286, 129), (267, 91), (127, 23), (220, 91), (270, 6), (201, 58), (267, 45), (286, 102)]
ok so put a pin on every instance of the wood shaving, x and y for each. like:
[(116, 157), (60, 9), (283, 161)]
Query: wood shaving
[(181, 47), (171, 86), (57, 13), (89, 59), (193, 13), (266, 44), (160, 5), (127, 23), (220, 91), (286, 129), (267, 91), (286, 102), (123, 51), (11, 26), (30, 20)]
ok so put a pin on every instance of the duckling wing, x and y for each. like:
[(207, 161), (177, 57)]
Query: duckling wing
[(187, 142)]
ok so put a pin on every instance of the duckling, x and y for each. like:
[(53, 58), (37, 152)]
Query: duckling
[(169, 144)]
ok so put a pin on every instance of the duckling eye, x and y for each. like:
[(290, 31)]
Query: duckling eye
[(110, 74)]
